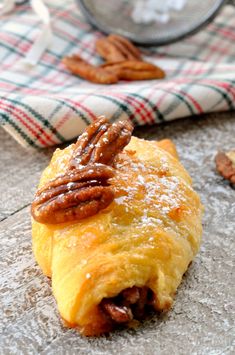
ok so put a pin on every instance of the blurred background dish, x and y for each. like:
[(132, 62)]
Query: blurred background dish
[(116, 17)]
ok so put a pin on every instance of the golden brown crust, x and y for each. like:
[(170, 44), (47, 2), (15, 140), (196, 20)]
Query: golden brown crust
[(168, 146), (139, 240)]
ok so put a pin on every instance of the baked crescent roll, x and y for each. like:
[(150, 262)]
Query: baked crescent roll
[(116, 223)]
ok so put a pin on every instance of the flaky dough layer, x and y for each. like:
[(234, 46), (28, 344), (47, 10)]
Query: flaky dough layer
[(146, 237)]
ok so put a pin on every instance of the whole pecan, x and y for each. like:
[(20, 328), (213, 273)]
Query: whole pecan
[(108, 50), (115, 48), (129, 50), (80, 67), (101, 142), (84, 189), (78, 194), (134, 70), (123, 62), (225, 164)]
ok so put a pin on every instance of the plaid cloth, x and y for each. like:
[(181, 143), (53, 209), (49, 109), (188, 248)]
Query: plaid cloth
[(46, 105)]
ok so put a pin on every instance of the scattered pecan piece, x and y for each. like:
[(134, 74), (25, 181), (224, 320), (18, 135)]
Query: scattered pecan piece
[(225, 164), (123, 62), (115, 48), (120, 314), (129, 51), (78, 194), (80, 67), (108, 50), (134, 70), (101, 142)]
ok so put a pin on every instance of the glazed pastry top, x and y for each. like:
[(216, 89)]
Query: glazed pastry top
[(146, 237)]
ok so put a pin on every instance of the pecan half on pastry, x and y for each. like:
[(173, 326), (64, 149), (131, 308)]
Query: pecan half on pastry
[(84, 189), (101, 142), (225, 164), (115, 48), (80, 67), (78, 194), (134, 70)]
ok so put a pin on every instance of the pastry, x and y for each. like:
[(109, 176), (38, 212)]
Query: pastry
[(115, 224)]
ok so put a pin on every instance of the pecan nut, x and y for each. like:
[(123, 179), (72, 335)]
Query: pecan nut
[(115, 48), (108, 50), (76, 195), (101, 142), (130, 51), (84, 189), (120, 314), (123, 62), (225, 164), (134, 70), (133, 302), (80, 67)]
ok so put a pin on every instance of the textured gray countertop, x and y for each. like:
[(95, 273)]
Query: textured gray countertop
[(202, 319)]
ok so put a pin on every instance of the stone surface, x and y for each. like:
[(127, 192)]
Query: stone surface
[(202, 319), (20, 170)]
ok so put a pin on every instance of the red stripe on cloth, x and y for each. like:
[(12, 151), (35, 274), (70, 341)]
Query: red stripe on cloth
[(224, 31), (54, 80), (30, 91), (19, 114), (69, 15), (152, 93), (192, 99), (21, 44), (217, 48), (85, 108), (165, 94), (60, 123), (221, 84), (139, 106)]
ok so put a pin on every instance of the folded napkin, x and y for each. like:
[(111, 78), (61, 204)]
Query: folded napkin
[(43, 105)]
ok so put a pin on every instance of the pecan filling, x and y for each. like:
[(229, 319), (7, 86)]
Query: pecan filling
[(132, 303), (84, 189)]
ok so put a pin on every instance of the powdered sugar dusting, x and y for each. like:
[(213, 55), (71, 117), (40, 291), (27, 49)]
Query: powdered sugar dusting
[(152, 190)]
